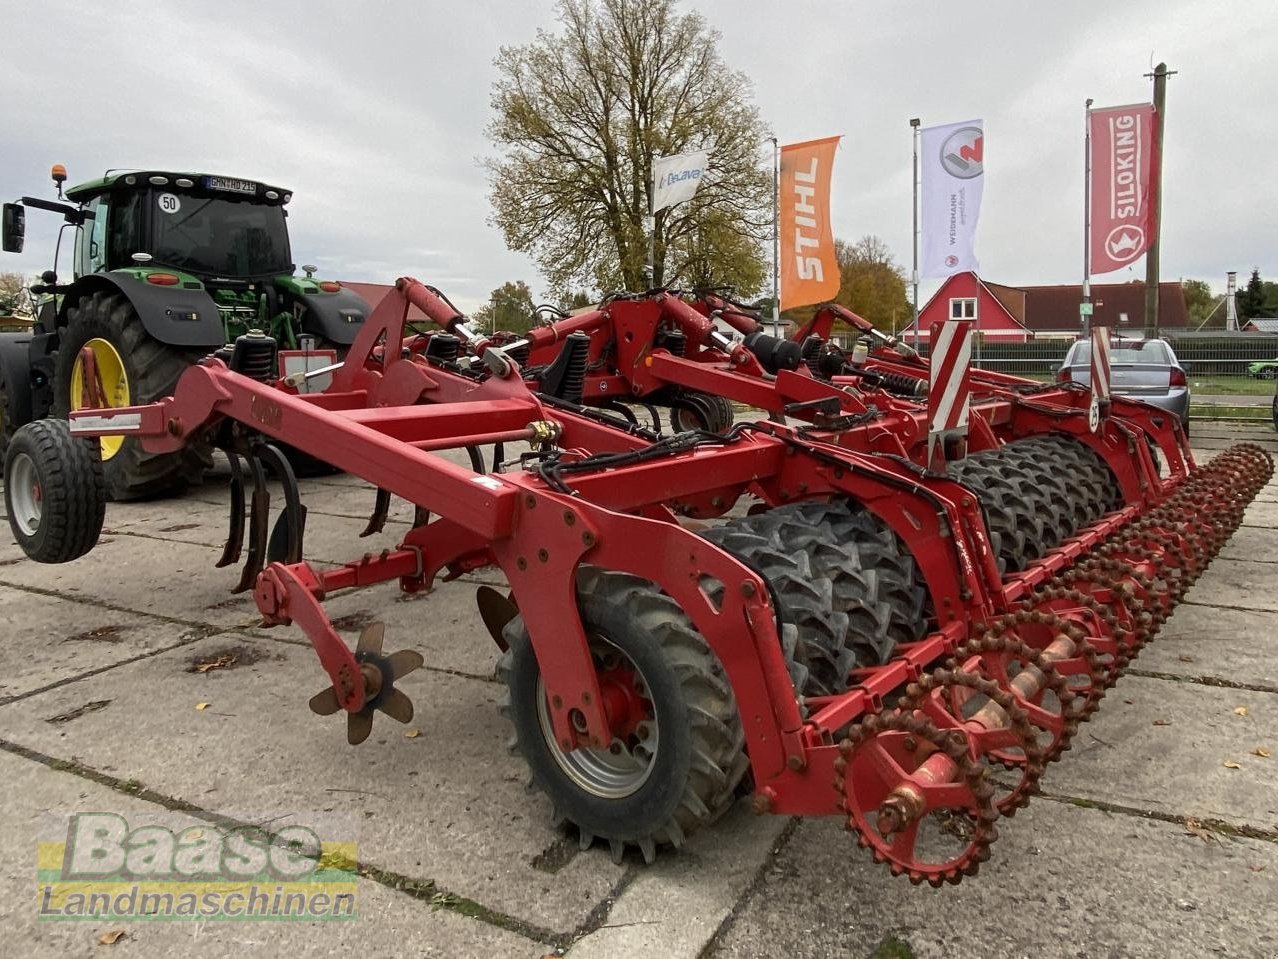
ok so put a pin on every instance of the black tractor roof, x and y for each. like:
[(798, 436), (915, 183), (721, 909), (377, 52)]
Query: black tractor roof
[(204, 183)]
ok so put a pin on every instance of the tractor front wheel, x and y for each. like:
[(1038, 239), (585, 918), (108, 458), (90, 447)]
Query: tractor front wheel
[(129, 368), (53, 492), (677, 752)]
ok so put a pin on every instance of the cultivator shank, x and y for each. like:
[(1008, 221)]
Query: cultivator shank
[(900, 635)]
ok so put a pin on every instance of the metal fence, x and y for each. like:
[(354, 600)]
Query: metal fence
[(1229, 374)]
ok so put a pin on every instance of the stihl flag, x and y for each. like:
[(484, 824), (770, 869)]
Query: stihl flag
[(1122, 162), (675, 179), (953, 176), (809, 270)]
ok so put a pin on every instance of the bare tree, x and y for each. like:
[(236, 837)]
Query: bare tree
[(579, 115)]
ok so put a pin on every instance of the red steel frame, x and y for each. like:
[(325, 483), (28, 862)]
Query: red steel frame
[(386, 410)]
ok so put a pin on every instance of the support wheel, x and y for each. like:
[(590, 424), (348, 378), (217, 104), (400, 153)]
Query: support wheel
[(677, 752), (693, 410), (53, 492), (131, 369)]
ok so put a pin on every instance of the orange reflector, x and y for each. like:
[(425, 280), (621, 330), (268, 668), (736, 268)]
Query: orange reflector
[(163, 279), (330, 286), (59, 173)]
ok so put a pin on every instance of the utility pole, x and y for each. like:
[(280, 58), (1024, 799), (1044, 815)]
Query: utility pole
[(1085, 308), (776, 236), (914, 275), (1160, 75)]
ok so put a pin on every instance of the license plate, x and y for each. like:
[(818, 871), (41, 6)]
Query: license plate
[(229, 185)]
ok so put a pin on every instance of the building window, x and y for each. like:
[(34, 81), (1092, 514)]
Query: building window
[(963, 308)]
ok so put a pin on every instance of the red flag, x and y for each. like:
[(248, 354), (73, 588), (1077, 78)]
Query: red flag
[(809, 271), (1123, 163)]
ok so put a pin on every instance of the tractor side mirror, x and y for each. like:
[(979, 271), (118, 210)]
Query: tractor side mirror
[(13, 230)]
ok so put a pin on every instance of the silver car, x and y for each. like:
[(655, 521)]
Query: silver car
[(1139, 369)]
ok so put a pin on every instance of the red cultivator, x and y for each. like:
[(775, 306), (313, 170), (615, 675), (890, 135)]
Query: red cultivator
[(903, 646)]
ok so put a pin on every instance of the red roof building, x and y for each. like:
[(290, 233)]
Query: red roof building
[(1019, 313)]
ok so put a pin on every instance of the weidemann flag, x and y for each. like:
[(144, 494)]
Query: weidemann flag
[(675, 179), (1122, 162), (953, 175)]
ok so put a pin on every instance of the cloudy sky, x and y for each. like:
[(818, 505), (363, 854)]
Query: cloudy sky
[(374, 113)]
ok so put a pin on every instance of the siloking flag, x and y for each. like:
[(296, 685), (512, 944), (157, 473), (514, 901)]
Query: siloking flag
[(809, 270), (1122, 162), (953, 176), (675, 179)]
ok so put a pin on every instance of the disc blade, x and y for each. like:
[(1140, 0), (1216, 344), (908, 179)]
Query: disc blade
[(397, 706), (325, 702), (496, 611), (370, 640), (403, 662), (358, 726)]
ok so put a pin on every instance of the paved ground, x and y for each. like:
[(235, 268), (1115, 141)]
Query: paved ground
[(1158, 834)]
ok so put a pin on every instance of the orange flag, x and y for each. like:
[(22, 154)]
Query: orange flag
[(809, 271)]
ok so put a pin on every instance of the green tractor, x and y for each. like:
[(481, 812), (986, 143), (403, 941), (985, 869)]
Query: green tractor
[(167, 268)]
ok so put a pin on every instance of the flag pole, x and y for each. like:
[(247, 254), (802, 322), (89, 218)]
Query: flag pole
[(776, 237), (1085, 310), (652, 224), (914, 277)]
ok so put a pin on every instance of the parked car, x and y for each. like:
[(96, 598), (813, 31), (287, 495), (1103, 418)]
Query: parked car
[(1139, 369), (1264, 370)]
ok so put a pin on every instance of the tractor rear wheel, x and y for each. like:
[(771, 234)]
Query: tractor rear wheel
[(9, 419), (678, 748), (53, 492), (132, 368), (694, 410)]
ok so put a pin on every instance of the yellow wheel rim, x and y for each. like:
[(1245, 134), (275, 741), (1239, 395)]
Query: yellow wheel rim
[(112, 385)]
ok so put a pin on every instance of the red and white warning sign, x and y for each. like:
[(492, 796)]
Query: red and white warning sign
[(950, 383), (1099, 376)]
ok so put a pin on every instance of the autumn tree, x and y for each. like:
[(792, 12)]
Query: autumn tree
[(509, 308), (14, 300), (871, 284), (579, 114)]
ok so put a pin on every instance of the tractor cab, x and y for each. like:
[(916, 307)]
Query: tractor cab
[(165, 268)]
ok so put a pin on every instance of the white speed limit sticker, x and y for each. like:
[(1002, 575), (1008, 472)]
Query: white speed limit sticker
[(169, 203)]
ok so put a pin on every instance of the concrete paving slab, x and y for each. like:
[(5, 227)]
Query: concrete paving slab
[(449, 805), (1063, 882), (674, 907), (1235, 582), (1256, 543), (1125, 756), (164, 578), (1262, 513), (37, 799), (48, 640), (1230, 644)]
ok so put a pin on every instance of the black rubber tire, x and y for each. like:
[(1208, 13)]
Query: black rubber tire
[(9, 424), (1036, 493), (72, 492), (153, 369), (875, 582), (700, 757), (694, 410), (804, 600)]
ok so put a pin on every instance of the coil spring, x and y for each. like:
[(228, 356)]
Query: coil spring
[(811, 354), (674, 341), (443, 346)]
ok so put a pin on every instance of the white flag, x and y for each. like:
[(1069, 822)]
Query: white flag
[(675, 179), (953, 175)]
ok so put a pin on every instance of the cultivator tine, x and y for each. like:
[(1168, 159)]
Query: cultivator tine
[(402, 663), (259, 520), (324, 703), (286, 541), (371, 638), (381, 507), (380, 673), (496, 611), (235, 529)]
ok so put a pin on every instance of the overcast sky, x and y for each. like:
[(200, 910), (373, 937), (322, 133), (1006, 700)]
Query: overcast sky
[(374, 113)]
